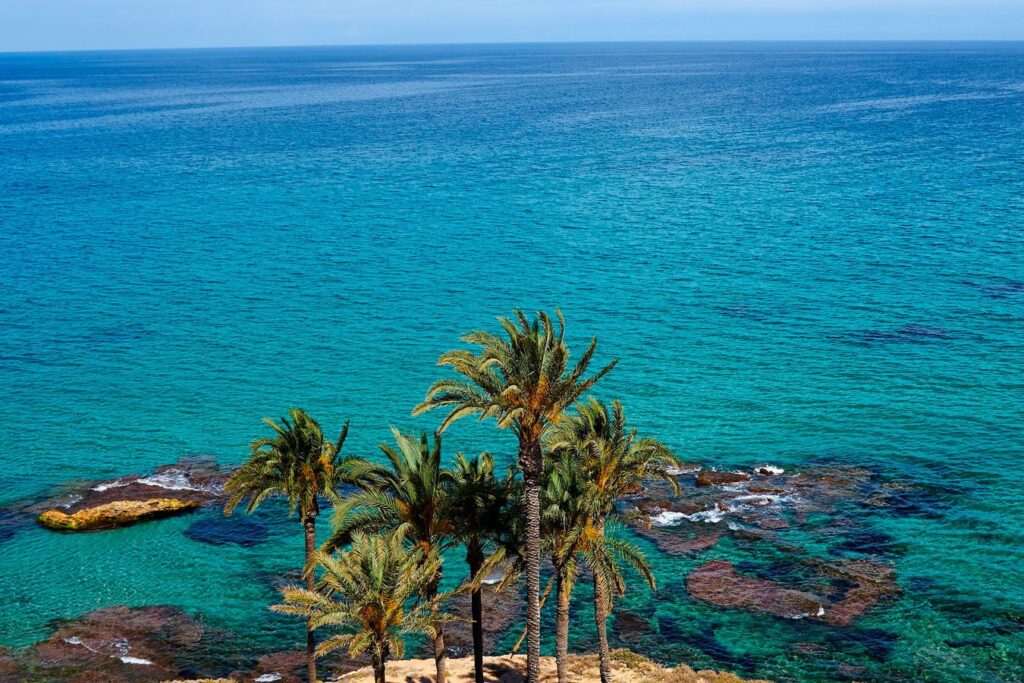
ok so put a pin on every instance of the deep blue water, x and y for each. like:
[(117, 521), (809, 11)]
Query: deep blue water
[(802, 253)]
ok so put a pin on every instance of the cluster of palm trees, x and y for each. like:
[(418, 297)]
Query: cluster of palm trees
[(378, 577)]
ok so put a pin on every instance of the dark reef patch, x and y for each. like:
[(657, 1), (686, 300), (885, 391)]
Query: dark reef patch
[(11, 522), (911, 333), (220, 530), (905, 499), (707, 642), (997, 290), (868, 542), (875, 643)]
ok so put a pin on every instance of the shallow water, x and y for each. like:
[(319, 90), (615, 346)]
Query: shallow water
[(803, 254)]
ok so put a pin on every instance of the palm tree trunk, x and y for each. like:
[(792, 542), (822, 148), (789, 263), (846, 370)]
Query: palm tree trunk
[(475, 558), (601, 620), (310, 524), (530, 459), (440, 655), (378, 659), (562, 627)]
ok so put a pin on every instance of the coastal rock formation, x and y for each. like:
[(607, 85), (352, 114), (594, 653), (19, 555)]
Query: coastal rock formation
[(171, 489), (116, 514)]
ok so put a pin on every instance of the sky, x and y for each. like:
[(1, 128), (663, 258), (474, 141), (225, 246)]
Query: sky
[(29, 25)]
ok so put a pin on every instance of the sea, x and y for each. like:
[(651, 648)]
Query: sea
[(808, 255)]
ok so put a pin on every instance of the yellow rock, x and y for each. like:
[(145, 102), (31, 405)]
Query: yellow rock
[(116, 514)]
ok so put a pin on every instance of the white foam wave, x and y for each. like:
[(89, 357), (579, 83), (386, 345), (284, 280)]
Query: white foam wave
[(676, 471), (117, 483), (760, 500), (267, 678), (174, 480), (672, 518), (771, 469), (804, 615), (667, 518), (712, 516), (121, 646), (70, 501)]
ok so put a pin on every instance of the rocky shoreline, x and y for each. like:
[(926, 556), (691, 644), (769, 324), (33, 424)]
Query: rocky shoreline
[(166, 645), (754, 509)]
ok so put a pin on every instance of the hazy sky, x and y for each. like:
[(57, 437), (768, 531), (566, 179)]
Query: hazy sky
[(92, 24)]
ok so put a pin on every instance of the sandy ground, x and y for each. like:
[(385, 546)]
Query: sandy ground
[(628, 668)]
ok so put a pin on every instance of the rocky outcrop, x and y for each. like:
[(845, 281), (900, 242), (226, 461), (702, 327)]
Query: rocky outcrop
[(116, 514), (169, 490), (714, 477)]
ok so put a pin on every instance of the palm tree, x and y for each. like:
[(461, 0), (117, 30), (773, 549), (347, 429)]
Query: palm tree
[(298, 463), (526, 384), (566, 518), (411, 493), (478, 500), (614, 462), (372, 593)]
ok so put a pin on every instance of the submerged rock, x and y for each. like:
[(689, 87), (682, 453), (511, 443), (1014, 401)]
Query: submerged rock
[(116, 514), (716, 582), (114, 645), (861, 584), (676, 543), (151, 645), (500, 610), (867, 583), (630, 625)]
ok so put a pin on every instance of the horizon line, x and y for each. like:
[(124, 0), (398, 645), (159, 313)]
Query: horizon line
[(719, 41)]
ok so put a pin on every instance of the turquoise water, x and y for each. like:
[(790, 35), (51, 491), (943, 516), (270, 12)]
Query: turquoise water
[(803, 254)]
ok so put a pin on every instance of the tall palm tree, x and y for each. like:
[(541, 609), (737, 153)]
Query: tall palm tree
[(615, 462), (411, 493), (566, 518), (478, 500), (525, 382), (371, 592), (297, 462)]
